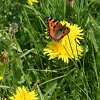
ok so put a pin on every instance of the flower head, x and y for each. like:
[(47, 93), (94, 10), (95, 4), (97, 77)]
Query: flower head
[(30, 2), (23, 94), (68, 47), (1, 77)]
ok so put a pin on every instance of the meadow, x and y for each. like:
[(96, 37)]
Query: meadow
[(49, 50)]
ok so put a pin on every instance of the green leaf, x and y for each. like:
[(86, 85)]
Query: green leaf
[(93, 40), (50, 89), (2, 67)]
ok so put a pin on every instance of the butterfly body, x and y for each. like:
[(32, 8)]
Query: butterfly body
[(56, 30)]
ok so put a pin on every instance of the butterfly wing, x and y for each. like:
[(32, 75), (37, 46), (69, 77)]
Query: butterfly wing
[(60, 32), (56, 30)]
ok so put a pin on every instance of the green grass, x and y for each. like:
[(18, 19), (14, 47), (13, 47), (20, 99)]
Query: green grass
[(26, 63)]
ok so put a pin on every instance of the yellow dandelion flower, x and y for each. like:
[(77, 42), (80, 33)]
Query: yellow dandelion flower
[(1, 77), (68, 47), (23, 94), (30, 2)]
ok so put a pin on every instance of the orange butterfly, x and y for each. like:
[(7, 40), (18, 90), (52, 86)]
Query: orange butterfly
[(56, 30)]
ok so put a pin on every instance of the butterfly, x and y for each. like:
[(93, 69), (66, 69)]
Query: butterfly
[(56, 30)]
